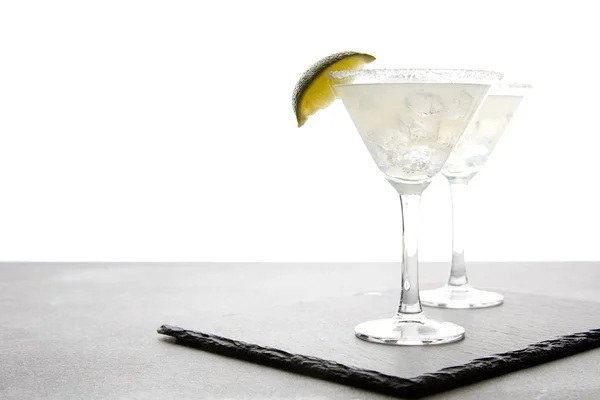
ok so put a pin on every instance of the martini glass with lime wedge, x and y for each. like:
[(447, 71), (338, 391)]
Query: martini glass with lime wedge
[(465, 162), (410, 121)]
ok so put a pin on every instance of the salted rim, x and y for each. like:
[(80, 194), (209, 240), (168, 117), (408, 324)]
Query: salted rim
[(510, 88), (515, 85), (414, 75)]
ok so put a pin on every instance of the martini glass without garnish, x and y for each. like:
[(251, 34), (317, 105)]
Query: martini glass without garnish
[(466, 160), (410, 120)]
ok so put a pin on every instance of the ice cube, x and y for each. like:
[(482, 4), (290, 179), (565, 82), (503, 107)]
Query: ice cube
[(416, 159), (379, 154), (421, 130), (388, 138), (424, 104), (460, 106)]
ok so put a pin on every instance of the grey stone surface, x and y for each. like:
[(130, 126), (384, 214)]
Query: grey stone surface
[(88, 330)]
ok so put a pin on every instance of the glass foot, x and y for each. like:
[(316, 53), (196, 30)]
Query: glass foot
[(460, 297), (409, 330)]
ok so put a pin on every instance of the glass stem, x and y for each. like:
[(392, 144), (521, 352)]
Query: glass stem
[(409, 298), (458, 269)]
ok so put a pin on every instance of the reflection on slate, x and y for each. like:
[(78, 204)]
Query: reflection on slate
[(316, 339)]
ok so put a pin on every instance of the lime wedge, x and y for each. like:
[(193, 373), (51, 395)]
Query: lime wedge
[(312, 92)]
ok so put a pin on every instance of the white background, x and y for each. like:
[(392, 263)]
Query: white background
[(147, 130)]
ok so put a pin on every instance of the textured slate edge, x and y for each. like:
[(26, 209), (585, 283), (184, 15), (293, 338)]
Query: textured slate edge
[(442, 380)]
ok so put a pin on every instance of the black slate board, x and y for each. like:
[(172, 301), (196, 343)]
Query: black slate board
[(316, 339)]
